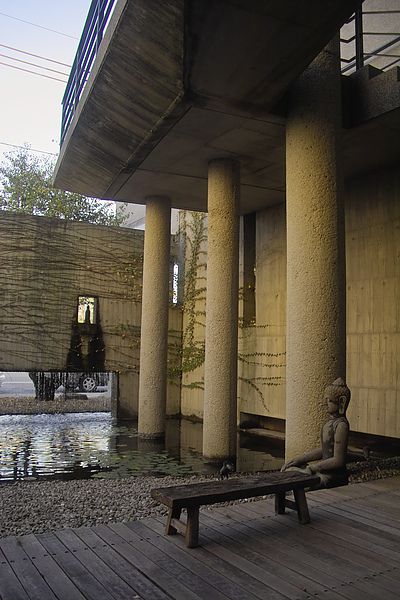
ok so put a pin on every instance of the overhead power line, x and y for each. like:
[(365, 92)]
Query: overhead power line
[(40, 26), (28, 149), (36, 56), (33, 72), (33, 65)]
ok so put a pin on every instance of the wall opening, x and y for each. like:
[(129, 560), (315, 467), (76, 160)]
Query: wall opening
[(87, 310)]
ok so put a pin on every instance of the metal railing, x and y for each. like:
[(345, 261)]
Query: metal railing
[(371, 37), (96, 22)]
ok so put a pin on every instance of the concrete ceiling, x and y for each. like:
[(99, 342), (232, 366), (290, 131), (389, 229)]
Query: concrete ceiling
[(178, 165), (177, 84)]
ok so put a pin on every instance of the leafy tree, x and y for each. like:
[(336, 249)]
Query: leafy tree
[(26, 187)]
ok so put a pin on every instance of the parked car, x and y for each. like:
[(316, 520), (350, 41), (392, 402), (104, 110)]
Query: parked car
[(48, 382), (86, 382), (2, 378)]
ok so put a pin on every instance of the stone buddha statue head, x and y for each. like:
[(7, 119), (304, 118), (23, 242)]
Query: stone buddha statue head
[(337, 396)]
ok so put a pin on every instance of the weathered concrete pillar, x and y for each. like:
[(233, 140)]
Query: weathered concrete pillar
[(220, 375), (154, 330), (316, 319)]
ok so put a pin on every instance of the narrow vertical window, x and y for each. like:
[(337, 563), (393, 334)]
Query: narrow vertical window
[(175, 284), (249, 283), (87, 310)]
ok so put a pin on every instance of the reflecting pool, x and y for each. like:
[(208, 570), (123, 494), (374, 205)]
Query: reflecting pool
[(84, 445)]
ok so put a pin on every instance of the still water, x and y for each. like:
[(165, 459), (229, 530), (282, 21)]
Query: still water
[(93, 445)]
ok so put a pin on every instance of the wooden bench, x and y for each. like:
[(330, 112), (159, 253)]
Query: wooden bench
[(192, 496)]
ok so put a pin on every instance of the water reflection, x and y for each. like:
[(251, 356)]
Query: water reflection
[(72, 446)]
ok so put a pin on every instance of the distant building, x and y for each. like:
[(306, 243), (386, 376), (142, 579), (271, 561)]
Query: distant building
[(136, 216)]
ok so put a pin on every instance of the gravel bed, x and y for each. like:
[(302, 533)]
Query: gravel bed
[(39, 506)]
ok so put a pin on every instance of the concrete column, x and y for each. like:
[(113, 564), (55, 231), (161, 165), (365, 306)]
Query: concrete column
[(220, 375), (154, 330), (316, 310), (128, 395)]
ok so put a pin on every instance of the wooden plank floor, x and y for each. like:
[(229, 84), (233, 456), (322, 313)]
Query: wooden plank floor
[(350, 550)]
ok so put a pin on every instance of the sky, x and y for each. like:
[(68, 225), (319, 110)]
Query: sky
[(30, 105)]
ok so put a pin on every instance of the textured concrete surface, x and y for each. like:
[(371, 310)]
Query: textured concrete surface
[(47, 263), (316, 343), (154, 332), (77, 404), (220, 370), (178, 84)]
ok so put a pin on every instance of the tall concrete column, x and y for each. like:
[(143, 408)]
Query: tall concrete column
[(316, 310), (220, 375), (154, 330)]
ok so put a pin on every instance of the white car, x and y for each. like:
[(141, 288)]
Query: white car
[(2, 379)]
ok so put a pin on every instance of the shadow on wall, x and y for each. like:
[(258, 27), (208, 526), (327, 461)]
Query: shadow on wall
[(85, 360)]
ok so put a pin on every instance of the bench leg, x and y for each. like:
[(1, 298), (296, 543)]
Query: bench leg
[(301, 506), (280, 503), (192, 527), (174, 513)]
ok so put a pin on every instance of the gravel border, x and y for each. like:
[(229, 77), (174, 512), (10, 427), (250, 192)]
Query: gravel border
[(39, 506)]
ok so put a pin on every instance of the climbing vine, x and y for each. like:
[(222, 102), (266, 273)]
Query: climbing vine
[(47, 264), (127, 275), (191, 350), (68, 261)]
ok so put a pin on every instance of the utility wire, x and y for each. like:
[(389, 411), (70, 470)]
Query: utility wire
[(28, 149), (40, 26), (33, 72), (33, 65), (36, 55)]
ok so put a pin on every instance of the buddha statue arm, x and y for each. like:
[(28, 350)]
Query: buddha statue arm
[(303, 459)]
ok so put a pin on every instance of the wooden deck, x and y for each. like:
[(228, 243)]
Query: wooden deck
[(350, 550)]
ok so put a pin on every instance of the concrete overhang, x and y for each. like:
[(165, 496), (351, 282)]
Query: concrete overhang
[(371, 118), (176, 84)]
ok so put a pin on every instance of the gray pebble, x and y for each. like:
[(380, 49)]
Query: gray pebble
[(39, 506)]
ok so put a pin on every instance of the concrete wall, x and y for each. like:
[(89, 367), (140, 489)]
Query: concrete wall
[(45, 264), (193, 313), (373, 308), (373, 313), (262, 345), (261, 388)]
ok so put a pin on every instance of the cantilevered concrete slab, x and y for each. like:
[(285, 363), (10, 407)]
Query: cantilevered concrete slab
[(179, 83)]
